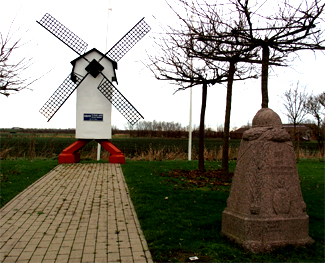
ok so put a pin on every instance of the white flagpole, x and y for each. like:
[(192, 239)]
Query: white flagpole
[(190, 129), (190, 121), (99, 147), (109, 9)]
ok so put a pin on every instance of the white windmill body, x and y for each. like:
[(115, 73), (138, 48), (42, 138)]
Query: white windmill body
[(93, 114)]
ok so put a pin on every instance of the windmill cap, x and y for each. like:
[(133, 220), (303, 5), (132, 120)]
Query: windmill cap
[(266, 117), (73, 62)]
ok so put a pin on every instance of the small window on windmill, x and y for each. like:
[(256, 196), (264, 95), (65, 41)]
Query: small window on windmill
[(94, 68)]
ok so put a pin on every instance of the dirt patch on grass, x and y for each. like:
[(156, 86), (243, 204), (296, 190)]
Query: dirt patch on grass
[(197, 179)]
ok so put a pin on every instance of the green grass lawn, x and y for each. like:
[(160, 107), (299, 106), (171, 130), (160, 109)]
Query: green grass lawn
[(312, 176), (16, 175), (180, 219)]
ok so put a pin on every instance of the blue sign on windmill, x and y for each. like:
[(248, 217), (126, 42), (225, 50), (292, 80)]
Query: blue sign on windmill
[(93, 117)]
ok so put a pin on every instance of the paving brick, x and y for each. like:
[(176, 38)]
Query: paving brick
[(15, 252), (21, 244), (137, 248), (47, 261), (57, 240), (40, 251), (89, 250), (137, 256), (101, 260), (10, 259), (100, 253), (113, 249), (90, 242), (36, 258), (78, 246), (65, 250), (25, 255), (125, 252), (51, 255), (44, 243), (113, 257), (54, 247), (67, 243), (62, 258), (47, 236), (74, 260), (76, 254), (88, 258)]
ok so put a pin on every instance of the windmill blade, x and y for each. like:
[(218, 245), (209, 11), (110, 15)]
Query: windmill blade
[(63, 34), (60, 96), (128, 40), (119, 101)]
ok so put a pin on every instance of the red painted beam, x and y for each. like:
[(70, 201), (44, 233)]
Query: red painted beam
[(76, 146)]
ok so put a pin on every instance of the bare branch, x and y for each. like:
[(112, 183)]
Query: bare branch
[(11, 80)]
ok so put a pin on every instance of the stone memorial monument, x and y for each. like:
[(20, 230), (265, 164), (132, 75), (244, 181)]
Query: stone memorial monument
[(265, 208)]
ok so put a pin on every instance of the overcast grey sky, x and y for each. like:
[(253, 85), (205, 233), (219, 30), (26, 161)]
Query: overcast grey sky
[(154, 99)]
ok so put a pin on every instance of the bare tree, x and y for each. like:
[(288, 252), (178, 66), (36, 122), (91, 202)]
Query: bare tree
[(175, 65), (11, 79), (294, 103), (315, 107), (294, 26), (213, 38)]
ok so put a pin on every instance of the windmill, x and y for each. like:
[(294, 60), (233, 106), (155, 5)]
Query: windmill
[(93, 74)]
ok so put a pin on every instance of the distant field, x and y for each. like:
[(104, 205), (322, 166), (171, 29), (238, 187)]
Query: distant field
[(50, 145), (32, 134), (44, 145)]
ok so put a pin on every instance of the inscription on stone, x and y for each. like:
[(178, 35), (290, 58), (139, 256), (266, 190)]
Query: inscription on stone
[(278, 158), (273, 226)]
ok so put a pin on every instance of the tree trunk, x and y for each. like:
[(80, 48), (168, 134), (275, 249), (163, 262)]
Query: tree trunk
[(201, 133), (294, 135), (225, 145), (298, 147), (296, 143), (320, 137), (265, 76)]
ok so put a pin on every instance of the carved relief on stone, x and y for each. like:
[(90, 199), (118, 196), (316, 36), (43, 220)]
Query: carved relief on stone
[(256, 184), (281, 201)]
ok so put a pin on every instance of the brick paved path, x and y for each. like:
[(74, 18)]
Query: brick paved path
[(75, 213)]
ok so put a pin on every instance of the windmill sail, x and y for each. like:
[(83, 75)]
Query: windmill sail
[(119, 101), (60, 96), (128, 40), (63, 34)]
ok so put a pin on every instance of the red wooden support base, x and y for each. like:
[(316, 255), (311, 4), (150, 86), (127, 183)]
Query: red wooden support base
[(71, 154)]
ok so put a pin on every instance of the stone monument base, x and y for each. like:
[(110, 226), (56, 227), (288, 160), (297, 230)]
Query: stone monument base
[(265, 234), (265, 208)]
